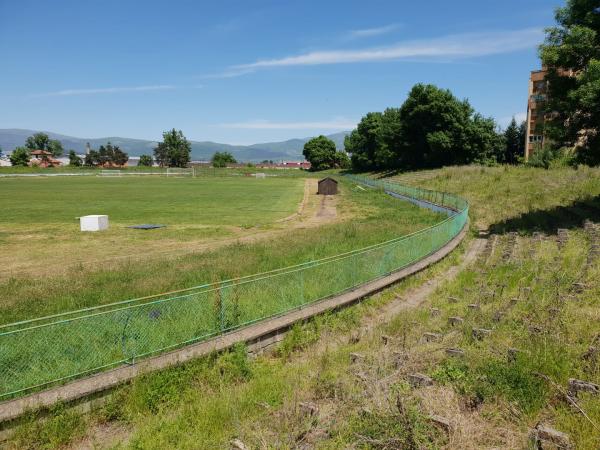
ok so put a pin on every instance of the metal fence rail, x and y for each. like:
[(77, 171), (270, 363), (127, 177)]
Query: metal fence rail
[(38, 352)]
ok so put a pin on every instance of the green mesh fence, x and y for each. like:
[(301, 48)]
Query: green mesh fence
[(39, 352)]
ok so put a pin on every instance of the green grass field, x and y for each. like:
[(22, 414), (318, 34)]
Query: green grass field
[(236, 201), (39, 229)]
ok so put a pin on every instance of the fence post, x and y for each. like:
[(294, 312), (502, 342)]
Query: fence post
[(354, 271), (126, 354), (302, 296), (221, 308)]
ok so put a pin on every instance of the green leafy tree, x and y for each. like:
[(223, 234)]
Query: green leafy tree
[(543, 156), (221, 159), (431, 129), (74, 160), (20, 156), (92, 158), (41, 141), (363, 142), (514, 138), (522, 137), (483, 143), (1, 153), (321, 153), (571, 52), (342, 161), (112, 155), (174, 150), (145, 160)]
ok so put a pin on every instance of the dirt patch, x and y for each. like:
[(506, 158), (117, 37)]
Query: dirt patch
[(303, 203), (104, 435), (471, 429)]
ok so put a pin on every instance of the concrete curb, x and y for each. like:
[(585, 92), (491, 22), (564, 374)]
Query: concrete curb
[(257, 336)]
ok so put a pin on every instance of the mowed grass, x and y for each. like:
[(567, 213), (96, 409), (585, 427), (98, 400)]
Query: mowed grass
[(237, 201), (39, 229)]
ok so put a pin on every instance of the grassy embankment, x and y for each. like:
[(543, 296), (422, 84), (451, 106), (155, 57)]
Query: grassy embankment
[(524, 292)]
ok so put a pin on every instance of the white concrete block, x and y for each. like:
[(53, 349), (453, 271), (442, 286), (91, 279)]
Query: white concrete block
[(93, 223)]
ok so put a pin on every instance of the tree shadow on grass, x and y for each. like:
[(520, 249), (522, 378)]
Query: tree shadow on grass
[(549, 220)]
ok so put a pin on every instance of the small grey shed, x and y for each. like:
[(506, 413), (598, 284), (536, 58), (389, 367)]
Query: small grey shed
[(328, 186)]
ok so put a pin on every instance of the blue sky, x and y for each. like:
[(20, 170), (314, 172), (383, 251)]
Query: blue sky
[(255, 71)]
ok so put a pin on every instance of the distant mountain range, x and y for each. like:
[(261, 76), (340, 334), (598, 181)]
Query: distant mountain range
[(290, 150)]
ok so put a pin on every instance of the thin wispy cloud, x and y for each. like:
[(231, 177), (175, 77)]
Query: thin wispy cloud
[(228, 73), (109, 90), (370, 32), (451, 47), (336, 124)]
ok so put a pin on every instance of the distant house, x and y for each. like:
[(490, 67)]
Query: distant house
[(42, 158), (296, 165), (328, 186)]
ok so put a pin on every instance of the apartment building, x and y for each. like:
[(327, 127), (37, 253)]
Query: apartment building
[(535, 111)]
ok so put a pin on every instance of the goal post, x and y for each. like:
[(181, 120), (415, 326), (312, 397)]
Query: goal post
[(110, 173), (180, 172)]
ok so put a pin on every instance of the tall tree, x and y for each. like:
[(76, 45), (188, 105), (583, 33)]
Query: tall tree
[(20, 156), (571, 52), (321, 153), (92, 158), (342, 161), (145, 160), (174, 150), (74, 160), (514, 137), (483, 143), (41, 141), (221, 159), (112, 155), (432, 128), (362, 143)]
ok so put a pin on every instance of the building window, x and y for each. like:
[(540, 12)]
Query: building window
[(538, 97), (535, 138)]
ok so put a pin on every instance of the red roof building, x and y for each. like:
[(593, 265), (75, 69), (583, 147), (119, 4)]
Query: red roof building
[(42, 158)]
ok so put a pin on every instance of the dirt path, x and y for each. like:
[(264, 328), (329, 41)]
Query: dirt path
[(416, 296)]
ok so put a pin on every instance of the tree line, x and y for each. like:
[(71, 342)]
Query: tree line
[(431, 129), (173, 151)]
